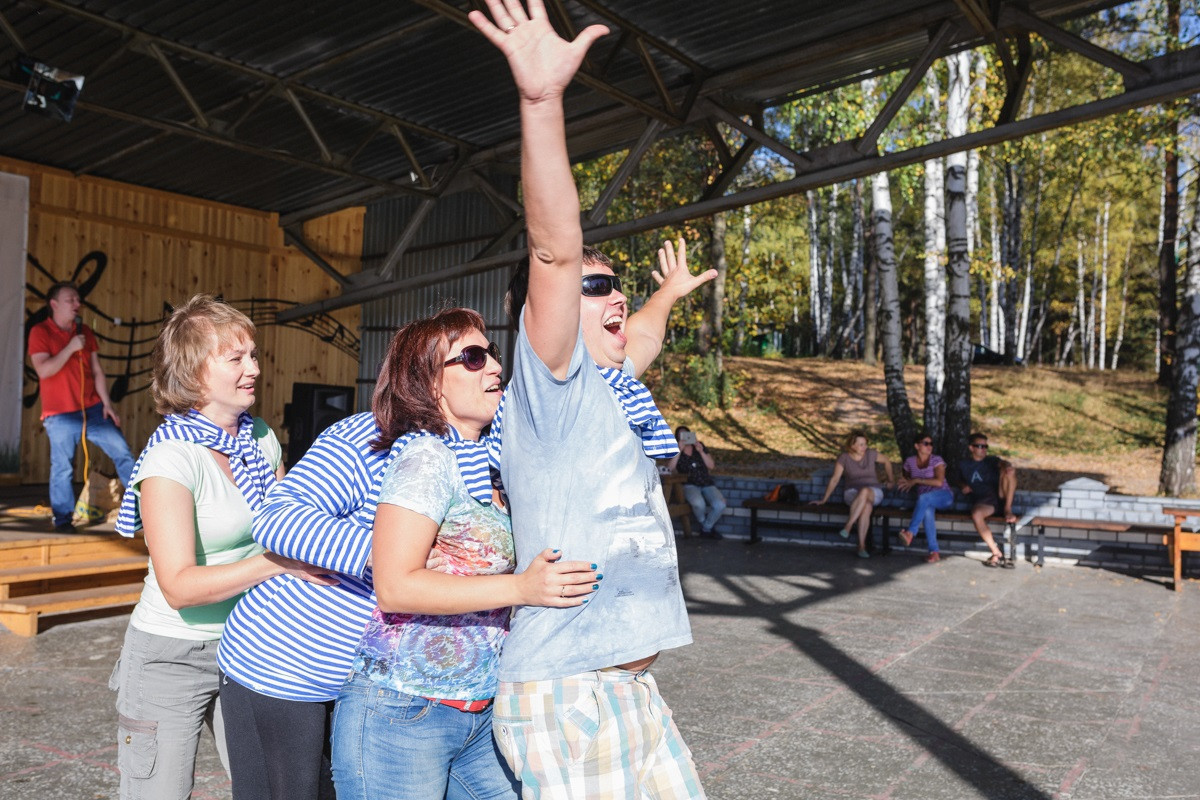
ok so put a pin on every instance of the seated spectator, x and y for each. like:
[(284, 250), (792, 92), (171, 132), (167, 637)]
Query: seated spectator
[(927, 472), (987, 482), (702, 495), (862, 491)]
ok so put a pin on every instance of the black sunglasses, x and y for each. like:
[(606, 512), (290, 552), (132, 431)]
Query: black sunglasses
[(474, 357), (926, 442), (600, 285), (980, 446)]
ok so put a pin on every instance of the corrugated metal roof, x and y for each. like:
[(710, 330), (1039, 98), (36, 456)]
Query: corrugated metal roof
[(356, 68)]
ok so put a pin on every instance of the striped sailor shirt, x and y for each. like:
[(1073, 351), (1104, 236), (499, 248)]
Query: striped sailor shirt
[(295, 640)]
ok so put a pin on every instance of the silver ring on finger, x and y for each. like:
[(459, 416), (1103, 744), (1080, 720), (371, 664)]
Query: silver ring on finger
[(511, 28)]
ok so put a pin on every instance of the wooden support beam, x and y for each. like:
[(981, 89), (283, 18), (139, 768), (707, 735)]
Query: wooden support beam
[(1016, 89), (173, 76), (937, 44), (326, 156), (407, 235), (12, 34), (596, 214), (1134, 74), (296, 239), (751, 132), (729, 174)]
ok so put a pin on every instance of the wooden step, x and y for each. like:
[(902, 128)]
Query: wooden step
[(20, 614), (69, 570)]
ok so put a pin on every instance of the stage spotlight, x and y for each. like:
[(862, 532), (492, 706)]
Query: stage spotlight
[(50, 91)]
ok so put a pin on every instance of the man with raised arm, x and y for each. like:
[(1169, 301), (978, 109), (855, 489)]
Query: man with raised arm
[(577, 714)]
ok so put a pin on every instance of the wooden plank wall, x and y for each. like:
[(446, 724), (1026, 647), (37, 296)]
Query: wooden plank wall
[(163, 247)]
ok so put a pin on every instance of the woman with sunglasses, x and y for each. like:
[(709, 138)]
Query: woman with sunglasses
[(927, 472), (416, 714), (378, 489)]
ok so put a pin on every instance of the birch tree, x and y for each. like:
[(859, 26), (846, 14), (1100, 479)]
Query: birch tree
[(1178, 475), (890, 323), (957, 426), (935, 277)]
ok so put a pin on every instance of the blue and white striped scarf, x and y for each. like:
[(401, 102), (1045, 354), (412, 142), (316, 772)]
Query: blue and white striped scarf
[(472, 460), (640, 412), (251, 471)]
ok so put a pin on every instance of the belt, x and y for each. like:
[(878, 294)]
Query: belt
[(470, 706)]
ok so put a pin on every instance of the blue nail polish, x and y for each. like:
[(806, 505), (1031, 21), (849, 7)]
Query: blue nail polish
[(593, 566), (595, 586), (599, 576), (585, 600), (553, 551)]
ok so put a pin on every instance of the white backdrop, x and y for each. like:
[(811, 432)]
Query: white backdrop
[(14, 226)]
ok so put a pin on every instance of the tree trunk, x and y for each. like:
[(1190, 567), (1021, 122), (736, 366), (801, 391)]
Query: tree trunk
[(935, 274), (890, 320), (854, 290), (1168, 303), (957, 426), (1178, 474), (1124, 306), (815, 290), (833, 242), (1103, 332), (716, 297), (1014, 175), (739, 333), (870, 307)]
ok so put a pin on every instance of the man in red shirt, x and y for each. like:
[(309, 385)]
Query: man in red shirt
[(64, 353)]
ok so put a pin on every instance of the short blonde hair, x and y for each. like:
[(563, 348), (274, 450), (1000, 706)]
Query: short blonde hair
[(193, 332)]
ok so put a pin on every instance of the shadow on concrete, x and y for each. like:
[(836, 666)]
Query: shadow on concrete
[(956, 752)]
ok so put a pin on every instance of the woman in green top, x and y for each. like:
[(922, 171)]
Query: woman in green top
[(193, 492)]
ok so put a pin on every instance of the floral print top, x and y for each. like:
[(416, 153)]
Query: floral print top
[(452, 657)]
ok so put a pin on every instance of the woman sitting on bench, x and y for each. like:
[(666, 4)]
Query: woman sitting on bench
[(927, 472), (862, 491)]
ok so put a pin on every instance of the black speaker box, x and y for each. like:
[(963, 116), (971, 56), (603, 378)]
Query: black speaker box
[(314, 407)]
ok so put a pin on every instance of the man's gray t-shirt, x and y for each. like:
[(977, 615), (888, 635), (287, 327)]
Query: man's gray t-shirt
[(578, 481)]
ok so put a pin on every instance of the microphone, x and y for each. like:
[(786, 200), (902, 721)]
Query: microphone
[(78, 325)]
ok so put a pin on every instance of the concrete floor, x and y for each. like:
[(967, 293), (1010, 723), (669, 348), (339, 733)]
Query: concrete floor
[(813, 675)]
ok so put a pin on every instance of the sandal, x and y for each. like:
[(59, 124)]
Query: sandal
[(906, 537), (994, 561)]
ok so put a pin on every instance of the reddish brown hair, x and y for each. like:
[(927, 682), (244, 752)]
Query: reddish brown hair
[(406, 391)]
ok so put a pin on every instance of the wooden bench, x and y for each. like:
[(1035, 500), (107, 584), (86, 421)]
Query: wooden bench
[(1178, 541), (881, 514), (21, 614), (1008, 534), (757, 504), (48, 574), (1186, 541), (677, 505)]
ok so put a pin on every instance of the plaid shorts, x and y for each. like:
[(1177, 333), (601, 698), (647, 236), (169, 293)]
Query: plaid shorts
[(605, 733)]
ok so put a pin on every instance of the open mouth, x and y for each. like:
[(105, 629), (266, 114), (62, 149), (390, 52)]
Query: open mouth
[(615, 325), (496, 388)]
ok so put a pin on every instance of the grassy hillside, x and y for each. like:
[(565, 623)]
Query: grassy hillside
[(1054, 424)]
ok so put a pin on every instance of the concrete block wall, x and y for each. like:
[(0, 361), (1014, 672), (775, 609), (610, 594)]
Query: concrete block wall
[(1082, 498)]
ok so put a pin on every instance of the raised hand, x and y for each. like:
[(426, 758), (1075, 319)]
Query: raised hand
[(672, 274), (541, 61)]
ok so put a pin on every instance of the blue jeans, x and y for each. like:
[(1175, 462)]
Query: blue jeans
[(925, 512), (707, 502), (64, 431), (387, 744)]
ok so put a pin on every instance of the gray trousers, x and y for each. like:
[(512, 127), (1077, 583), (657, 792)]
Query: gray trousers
[(166, 693)]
